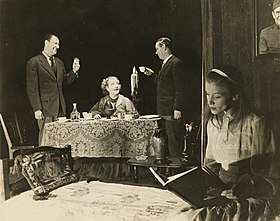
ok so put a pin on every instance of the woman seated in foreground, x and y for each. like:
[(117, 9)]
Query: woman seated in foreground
[(240, 150), (113, 103)]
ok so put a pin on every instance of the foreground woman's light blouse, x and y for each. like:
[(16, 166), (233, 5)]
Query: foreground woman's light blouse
[(248, 140), (239, 152)]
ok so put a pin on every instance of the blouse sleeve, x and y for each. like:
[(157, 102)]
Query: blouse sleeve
[(125, 105), (265, 157), (130, 108), (98, 108)]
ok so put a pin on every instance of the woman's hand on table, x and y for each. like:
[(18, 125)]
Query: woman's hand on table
[(97, 116)]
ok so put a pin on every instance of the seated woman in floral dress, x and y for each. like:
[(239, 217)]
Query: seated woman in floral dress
[(240, 150), (113, 103)]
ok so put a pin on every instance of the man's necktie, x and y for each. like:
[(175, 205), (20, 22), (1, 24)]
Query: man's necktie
[(53, 66)]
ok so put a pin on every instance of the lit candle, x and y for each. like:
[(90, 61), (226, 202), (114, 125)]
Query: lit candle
[(134, 81)]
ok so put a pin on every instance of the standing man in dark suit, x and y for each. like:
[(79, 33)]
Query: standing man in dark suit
[(170, 83), (44, 77)]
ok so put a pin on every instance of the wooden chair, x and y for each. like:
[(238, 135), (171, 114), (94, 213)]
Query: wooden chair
[(20, 132), (10, 187)]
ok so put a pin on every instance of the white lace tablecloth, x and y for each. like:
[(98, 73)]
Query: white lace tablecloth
[(96, 201), (101, 138)]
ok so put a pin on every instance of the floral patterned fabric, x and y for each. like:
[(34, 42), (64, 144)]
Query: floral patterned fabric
[(102, 138)]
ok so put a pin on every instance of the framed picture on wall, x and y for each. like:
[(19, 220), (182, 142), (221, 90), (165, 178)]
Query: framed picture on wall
[(266, 32)]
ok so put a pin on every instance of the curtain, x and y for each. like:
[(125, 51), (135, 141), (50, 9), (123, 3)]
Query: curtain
[(207, 59)]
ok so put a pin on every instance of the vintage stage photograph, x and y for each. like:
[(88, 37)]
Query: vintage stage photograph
[(126, 110)]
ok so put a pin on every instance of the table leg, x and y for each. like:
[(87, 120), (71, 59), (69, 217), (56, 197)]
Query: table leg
[(167, 171), (135, 174)]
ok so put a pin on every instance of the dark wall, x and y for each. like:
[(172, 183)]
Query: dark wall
[(109, 37), (235, 44)]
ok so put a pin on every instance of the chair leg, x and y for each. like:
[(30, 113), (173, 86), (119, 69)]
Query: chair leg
[(4, 180)]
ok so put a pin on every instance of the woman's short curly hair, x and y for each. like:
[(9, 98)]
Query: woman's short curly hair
[(104, 84)]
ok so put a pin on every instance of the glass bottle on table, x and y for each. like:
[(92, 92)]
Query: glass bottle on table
[(75, 114)]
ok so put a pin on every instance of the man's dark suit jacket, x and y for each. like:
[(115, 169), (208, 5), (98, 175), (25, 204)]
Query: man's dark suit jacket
[(171, 83), (44, 87)]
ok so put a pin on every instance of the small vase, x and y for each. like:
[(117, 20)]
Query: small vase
[(159, 145)]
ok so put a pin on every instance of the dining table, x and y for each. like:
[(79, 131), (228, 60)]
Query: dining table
[(113, 137)]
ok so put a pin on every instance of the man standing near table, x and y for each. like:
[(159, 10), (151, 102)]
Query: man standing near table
[(45, 75), (170, 84)]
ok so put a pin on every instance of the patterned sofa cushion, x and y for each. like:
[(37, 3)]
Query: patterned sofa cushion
[(47, 168)]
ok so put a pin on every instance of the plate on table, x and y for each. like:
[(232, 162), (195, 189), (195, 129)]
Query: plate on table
[(151, 116), (63, 120), (109, 119), (89, 118)]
